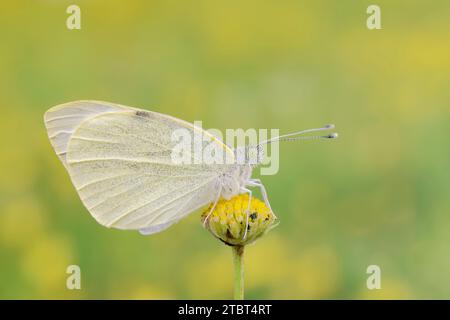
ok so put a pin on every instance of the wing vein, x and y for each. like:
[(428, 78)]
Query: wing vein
[(162, 212), (122, 192), (153, 200), (127, 134)]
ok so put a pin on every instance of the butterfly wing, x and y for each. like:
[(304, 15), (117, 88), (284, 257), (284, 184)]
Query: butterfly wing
[(62, 120), (119, 160)]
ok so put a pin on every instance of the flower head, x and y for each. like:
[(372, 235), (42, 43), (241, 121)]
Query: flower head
[(228, 220)]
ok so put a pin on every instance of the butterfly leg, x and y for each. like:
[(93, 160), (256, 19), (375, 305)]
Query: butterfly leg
[(248, 210), (258, 183), (213, 207)]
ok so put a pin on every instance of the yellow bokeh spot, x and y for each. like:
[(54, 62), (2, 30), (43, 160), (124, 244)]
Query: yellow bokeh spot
[(267, 262), (44, 264), (210, 277), (21, 222), (391, 289), (315, 273), (149, 293)]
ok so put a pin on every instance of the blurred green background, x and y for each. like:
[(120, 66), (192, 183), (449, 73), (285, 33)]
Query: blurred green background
[(378, 195)]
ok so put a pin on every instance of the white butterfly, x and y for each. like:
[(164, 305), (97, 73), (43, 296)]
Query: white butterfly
[(119, 160)]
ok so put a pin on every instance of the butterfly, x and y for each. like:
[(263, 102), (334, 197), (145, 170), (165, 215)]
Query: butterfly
[(119, 160)]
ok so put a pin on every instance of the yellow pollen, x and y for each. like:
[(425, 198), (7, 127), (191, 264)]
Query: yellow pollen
[(229, 219)]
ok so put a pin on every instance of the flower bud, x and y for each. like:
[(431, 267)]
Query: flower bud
[(228, 220)]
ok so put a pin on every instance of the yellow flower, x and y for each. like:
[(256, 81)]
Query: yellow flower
[(228, 220)]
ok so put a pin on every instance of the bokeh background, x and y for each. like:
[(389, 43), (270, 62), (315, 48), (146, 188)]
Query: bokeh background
[(378, 195)]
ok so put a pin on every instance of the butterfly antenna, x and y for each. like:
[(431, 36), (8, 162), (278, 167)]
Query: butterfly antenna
[(294, 136)]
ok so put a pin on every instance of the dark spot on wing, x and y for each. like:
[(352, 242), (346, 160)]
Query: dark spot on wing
[(253, 216), (143, 114)]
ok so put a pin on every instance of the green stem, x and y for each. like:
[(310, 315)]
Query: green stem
[(238, 261)]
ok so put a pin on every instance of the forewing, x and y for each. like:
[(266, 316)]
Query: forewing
[(62, 120), (120, 163)]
